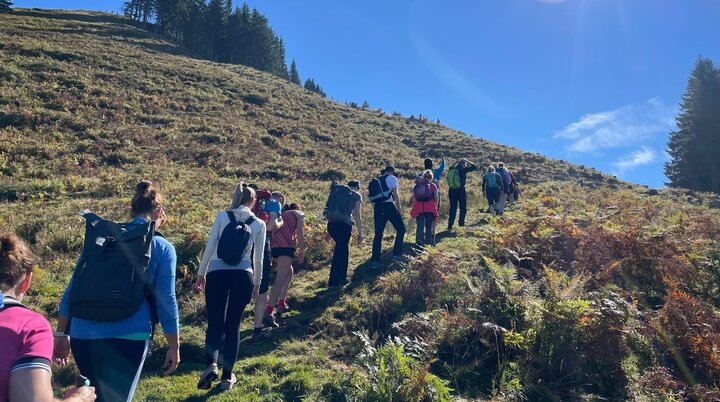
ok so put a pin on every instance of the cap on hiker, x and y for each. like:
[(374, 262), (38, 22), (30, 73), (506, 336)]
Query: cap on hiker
[(389, 169)]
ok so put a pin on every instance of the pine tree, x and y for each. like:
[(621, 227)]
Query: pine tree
[(5, 6), (310, 85), (294, 75), (695, 146), (214, 33)]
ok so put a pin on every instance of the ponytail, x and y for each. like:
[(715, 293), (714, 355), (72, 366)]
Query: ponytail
[(242, 195)]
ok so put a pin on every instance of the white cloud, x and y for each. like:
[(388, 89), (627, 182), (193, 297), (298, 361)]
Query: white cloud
[(644, 156), (629, 125)]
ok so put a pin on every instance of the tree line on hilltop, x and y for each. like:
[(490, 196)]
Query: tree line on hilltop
[(215, 31), (695, 146)]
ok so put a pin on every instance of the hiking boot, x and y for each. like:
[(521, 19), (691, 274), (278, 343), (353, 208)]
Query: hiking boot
[(269, 321), (226, 385), (208, 376), (377, 265), (259, 337), (400, 259)]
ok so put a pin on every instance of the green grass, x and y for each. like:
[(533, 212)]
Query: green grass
[(576, 294)]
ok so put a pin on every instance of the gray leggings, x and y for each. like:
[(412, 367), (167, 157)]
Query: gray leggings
[(424, 234)]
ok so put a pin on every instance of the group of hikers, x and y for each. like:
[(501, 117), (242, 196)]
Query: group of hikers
[(124, 280)]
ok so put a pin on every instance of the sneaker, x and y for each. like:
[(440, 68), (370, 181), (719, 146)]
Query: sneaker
[(208, 376), (269, 321), (280, 310), (377, 265), (259, 337), (400, 259), (226, 385)]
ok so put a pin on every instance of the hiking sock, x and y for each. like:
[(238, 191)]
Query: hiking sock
[(269, 310)]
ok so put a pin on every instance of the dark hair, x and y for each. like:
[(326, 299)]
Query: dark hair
[(293, 206), (354, 184), (147, 198), (428, 163), (16, 260)]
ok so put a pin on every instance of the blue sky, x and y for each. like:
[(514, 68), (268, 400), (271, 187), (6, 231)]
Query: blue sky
[(594, 82)]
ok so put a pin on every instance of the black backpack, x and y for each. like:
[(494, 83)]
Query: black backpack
[(110, 279), (234, 239), (340, 203), (378, 190)]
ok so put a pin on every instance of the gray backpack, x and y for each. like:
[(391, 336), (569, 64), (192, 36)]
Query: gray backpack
[(340, 203)]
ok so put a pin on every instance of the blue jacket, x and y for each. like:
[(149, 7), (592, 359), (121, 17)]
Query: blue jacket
[(161, 272)]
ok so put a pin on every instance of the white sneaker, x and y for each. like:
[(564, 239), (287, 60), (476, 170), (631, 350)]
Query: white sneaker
[(226, 385), (208, 376)]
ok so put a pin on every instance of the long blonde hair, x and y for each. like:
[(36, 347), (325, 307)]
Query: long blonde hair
[(242, 195)]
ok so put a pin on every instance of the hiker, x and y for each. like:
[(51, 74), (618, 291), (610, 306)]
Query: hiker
[(424, 208), (269, 209), (111, 352), (342, 211), (383, 193), (504, 189), (26, 339), (456, 178), (229, 281), (491, 183), (437, 173), (514, 188), (286, 241)]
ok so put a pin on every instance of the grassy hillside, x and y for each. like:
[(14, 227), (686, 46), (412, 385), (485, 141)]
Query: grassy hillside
[(600, 292)]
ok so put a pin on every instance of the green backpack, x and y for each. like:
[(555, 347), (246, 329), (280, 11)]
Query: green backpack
[(453, 178)]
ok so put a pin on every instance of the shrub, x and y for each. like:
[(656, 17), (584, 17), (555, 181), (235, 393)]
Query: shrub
[(256, 99), (690, 331), (395, 376)]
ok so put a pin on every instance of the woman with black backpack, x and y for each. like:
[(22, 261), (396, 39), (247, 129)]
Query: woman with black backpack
[(111, 354), (226, 275)]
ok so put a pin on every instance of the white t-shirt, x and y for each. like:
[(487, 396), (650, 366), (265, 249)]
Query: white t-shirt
[(392, 183)]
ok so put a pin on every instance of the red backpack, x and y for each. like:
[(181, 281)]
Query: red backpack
[(423, 191)]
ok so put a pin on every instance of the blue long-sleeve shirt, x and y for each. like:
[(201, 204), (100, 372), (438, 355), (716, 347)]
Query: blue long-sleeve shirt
[(437, 173), (161, 271)]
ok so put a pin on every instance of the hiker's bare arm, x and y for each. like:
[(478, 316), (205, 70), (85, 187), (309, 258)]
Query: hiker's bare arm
[(396, 200), (301, 233), (61, 344), (275, 221), (172, 358), (358, 220), (34, 385)]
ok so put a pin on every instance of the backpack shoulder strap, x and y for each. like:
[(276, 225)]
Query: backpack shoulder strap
[(8, 302), (250, 220), (231, 215)]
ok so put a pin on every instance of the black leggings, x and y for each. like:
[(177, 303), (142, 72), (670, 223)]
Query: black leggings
[(112, 365), (227, 293)]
